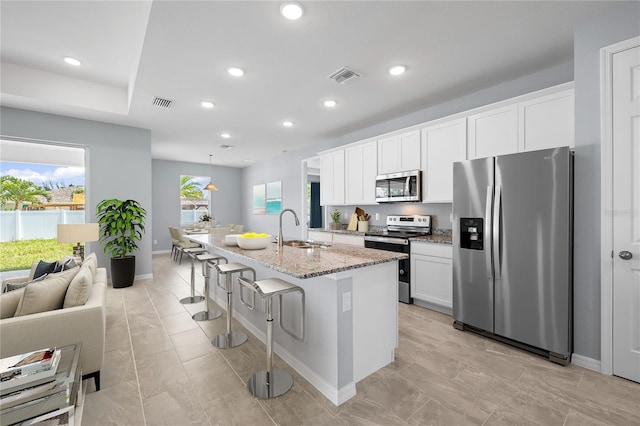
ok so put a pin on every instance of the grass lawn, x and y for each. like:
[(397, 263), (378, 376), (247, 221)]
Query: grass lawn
[(17, 255)]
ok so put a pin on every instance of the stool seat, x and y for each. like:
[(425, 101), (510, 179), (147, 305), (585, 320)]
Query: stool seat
[(232, 267), (274, 286), (193, 252), (208, 261), (273, 382), (230, 338)]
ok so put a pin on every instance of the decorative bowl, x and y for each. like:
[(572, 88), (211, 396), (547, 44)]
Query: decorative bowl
[(253, 243), (231, 239)]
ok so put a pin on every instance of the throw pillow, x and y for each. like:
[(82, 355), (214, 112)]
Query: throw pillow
[(79, 289), (92, 262), (44, 268), (66, 264), (45, 295), (9, 303), (15, 286)]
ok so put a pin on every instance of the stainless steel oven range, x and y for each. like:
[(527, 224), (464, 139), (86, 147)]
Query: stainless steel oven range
[(395, 237)]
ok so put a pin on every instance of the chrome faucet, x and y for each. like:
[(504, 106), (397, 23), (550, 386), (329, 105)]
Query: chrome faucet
[(280, 239)]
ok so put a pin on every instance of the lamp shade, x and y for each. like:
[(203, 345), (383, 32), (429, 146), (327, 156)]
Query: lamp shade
[(78, 232)]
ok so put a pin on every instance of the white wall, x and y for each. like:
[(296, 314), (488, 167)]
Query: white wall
[(118, 163), (616, 24)]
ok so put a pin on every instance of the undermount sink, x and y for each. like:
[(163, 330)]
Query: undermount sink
[(304, 244)]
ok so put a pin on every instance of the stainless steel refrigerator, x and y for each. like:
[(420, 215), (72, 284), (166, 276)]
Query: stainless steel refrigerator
[(512, 253)]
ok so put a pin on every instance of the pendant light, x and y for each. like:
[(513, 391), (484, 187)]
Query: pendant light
[(210, 186)]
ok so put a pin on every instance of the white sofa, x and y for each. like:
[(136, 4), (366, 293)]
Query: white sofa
[(61, 327)]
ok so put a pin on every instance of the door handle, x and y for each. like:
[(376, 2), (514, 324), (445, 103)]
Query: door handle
[(625, 255)]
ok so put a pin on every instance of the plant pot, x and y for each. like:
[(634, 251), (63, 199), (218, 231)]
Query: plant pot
[(123, 271), (336, 226)]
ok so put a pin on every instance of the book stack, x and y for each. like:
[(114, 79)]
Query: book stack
[(27, 376)]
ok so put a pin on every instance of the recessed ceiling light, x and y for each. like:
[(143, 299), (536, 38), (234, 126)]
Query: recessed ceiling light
[(287, 123), (330, 103), (247, 160), (72, 61), (225, 135), (291, 10), (236, 72), (397, 70), (207, 104)]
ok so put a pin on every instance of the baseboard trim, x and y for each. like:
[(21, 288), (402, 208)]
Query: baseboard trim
[(586, 362), (160, 252), (336, 396)]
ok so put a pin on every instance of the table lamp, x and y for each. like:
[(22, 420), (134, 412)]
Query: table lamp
[(77, 233)]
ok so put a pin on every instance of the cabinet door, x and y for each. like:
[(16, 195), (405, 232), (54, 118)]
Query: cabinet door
[(432, 280), (361, 168), (410, 151), (354, 240), (493, 132), (332, 178), (547, 122), (442, 145), (325, 237), (389, 155)]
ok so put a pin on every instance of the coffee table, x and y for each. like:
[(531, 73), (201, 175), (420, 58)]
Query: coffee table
[(65, 402)]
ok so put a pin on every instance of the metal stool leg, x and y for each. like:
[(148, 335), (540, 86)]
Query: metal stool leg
[(193, 298), (230, 339), (270, 383), (207, 314)]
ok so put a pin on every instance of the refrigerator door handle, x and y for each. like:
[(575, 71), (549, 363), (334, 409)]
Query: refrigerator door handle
[(487, 231), (497, 204)]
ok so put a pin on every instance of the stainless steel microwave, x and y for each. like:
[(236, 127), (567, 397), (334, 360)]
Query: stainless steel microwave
[(404, 186)]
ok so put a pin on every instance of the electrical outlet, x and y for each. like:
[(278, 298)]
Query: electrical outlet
[(377, 216), (155, 241), (346, 302)]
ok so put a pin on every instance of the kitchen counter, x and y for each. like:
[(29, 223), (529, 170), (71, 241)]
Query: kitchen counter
[(435, 238), (351, 308), (305, 263)]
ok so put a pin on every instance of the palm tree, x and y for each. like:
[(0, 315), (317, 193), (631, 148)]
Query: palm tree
[(190, 189), (20, 191)]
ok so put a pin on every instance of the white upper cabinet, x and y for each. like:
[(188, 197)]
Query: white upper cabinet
[(546, 122), (528, 123), (361, 170), (442, 145), (332, 178), (399, 153), (493, 132)]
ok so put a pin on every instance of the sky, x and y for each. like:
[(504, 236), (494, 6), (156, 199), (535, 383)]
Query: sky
[(57, 176)]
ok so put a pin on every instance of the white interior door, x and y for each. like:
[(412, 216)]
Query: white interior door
[(626, 213)]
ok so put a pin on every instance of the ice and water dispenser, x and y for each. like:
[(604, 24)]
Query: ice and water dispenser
[(472, 233)]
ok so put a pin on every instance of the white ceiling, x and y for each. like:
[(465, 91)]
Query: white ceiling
[(133, 51)]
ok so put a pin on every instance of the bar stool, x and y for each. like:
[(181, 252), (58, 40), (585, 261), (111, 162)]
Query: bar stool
[(209, 261), (230, 339), (271, 383), (192, 252)]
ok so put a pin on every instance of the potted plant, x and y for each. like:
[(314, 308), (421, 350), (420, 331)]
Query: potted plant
[(335, 219), (121, 226)]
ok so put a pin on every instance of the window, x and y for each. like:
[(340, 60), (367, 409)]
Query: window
[(194, 200), (41, 186)]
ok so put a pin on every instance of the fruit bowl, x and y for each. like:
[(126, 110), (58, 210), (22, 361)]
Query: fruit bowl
[(253, 241)]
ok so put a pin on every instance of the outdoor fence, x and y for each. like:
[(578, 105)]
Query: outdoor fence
[(35, 224)]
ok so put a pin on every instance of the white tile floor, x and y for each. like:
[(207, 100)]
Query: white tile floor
[(160, 368)]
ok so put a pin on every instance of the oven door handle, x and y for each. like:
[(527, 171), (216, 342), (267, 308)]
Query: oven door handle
[(398, 241)]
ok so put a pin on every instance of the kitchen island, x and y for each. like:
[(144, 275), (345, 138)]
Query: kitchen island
[(351, 309)]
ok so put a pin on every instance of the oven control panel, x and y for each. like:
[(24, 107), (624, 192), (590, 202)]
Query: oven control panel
[(415, 221)]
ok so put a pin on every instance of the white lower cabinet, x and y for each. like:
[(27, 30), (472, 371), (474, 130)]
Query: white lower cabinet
[(354, 240), (432, 276), (335, 238), (325, 237)]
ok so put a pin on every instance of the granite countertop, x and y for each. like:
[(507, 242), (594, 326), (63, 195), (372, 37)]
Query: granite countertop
[(337, 231), (305, 263)]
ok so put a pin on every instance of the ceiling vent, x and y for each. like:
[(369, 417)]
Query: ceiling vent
[(162, 103), (344, 75)]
